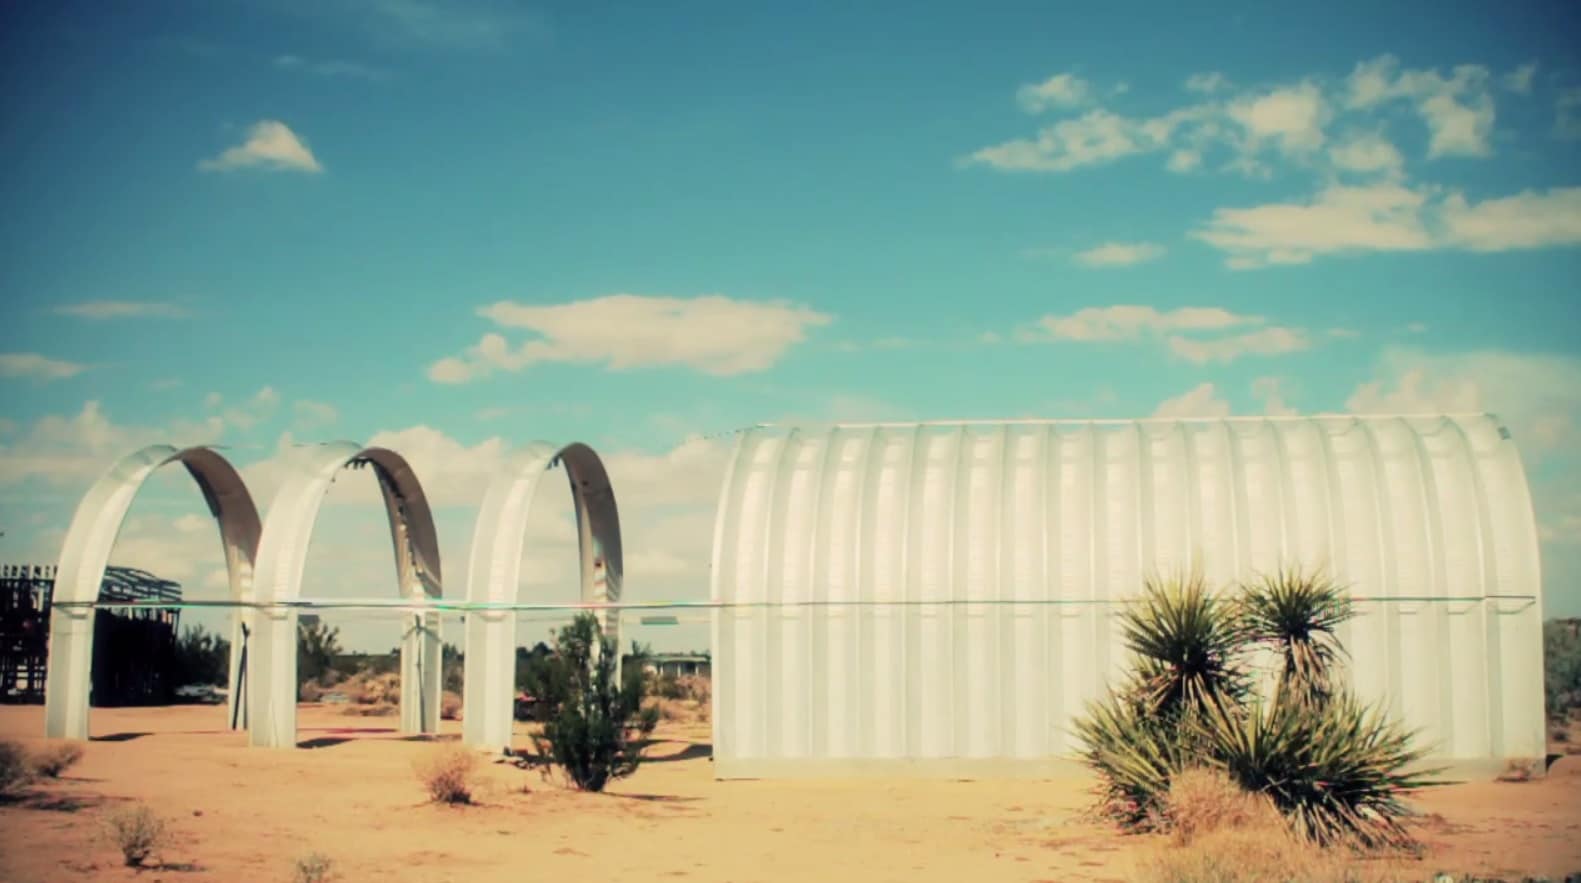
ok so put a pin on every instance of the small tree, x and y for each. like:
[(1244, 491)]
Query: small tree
[(317, 645), (597, 730), (202, 657)]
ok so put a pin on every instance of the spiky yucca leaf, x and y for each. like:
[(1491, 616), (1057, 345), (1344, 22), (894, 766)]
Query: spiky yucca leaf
[(1297, 614), (1187, 640), (1134, 754), (1336, 770)]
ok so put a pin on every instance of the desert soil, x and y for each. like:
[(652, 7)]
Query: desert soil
[(240, 814)]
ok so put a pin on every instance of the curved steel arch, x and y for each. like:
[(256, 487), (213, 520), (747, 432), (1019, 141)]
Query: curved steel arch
[(493, 575), (86, 552), (282, 555)]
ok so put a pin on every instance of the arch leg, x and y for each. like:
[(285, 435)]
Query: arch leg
[(69, 679), (271, 695), (422, 680), (490, 667)]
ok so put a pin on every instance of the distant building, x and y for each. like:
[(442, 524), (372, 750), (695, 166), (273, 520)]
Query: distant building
[(679, 664)]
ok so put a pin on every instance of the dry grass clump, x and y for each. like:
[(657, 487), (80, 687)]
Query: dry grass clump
[(313, 868), (15, 771), (1224, 834), (447, 773), (56, 757), (137, 832), (450, 706), (1202, 801)]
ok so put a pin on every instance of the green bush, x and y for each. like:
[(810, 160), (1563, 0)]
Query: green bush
[(596, 731), (1562, 666), (1335, 769)]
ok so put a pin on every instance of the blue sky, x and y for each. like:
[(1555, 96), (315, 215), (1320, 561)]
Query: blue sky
[(467, 225)]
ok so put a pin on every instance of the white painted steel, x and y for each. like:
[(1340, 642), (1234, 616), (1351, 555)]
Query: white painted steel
[(493, 575), (86, 552), (1428, 521), (282, 556)]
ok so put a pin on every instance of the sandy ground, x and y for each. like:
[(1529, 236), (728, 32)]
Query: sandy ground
[(239, 814)]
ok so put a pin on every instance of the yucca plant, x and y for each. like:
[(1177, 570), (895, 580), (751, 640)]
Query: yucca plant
[(1337, 770), (1297, 615), (1134, 753), (1188, 642)]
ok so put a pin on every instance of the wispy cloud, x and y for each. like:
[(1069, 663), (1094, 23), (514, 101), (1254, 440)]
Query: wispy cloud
[(1058, 91), (712, 334), (1199, 335), (1202, 400), (1391, 217), (38, 367), (1457, 108), (330, 68), (1119, 254), (270, 145), (122, 309)]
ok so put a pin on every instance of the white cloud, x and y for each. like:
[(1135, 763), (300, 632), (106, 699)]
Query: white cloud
[(1538, 396), (1128, 322), (1526, 220), (38, 367), (1519, 80), (713, 334), (330, 68), (1207, 83), (1271, 341), (1119, 254), (1383, 217), (1184, 160), (1457, 109), (1094, 138), (1367, 152), (121, 309), (1270, 391), (1200, 401), (1389, 216), (1292, 116), (270, 145), (256, 409), (72, 450), (1058, 91), (314, 415)]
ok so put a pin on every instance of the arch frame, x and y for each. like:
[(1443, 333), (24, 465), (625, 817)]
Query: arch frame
[(85, 553), (494, 575), (282, 559)]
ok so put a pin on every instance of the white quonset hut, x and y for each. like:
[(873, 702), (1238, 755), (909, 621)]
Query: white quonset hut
[(835, 544)]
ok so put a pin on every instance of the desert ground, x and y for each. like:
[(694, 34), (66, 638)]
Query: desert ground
[(240, 814)]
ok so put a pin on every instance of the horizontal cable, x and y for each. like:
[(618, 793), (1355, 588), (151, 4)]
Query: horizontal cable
[(486, 606)]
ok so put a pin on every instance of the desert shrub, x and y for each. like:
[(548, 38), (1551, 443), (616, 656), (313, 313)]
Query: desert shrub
[(596, 732), (450, 706), (1562, 666), (311, 691), (201, 657), (313, 868), (1335, 769), (137, 832), (15, 770), (669, 686), (55, 758), (699, 689), (382, 709), (447, 774)]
